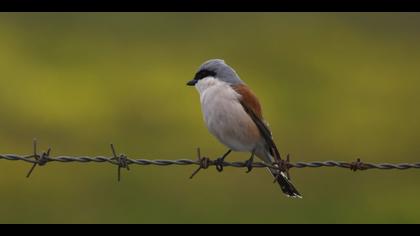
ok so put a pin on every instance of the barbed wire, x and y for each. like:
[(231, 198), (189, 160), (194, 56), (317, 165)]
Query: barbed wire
[(123, 162)]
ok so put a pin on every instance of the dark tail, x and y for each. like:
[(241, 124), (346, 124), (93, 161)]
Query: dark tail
[(285, 184), (272, 154)]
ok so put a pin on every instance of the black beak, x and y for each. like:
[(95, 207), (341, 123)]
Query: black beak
[(192, 82)]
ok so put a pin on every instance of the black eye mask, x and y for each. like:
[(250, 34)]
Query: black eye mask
[(200, 75), (203, 74)]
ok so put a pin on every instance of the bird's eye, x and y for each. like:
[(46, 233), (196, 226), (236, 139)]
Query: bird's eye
[(203, 74)]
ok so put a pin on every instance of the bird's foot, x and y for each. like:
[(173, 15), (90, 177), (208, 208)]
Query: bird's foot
[(219, 164), (220, 161), (250, 163)]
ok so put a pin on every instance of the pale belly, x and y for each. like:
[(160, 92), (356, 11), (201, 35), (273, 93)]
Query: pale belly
[(227, 120)]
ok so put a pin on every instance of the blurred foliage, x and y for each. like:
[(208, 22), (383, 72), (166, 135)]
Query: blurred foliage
[(333, 86)]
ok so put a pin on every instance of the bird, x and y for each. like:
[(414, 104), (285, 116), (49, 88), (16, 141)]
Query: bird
[(233, 114)]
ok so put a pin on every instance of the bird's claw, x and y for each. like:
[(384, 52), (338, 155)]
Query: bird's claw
[(219, 163), (250, 163)]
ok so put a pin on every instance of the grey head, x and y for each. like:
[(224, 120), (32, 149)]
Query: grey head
[(216, 68)]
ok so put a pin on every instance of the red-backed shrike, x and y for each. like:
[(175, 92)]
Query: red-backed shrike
[(233, 114)]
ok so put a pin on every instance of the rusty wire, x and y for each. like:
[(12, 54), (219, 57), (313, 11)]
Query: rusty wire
[(122, 161)]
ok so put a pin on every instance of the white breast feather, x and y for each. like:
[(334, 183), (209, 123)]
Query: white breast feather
[(224, 115)]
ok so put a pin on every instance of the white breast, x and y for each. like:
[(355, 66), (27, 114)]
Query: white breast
[(225, 117)]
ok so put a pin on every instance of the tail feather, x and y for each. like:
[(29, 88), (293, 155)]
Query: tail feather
[(273, 154), (285, 184)]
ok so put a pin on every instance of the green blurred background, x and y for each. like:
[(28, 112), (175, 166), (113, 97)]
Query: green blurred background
[(333, 86)]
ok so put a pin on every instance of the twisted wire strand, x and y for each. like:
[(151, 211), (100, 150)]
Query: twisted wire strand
[(183, 162), (122, 161)]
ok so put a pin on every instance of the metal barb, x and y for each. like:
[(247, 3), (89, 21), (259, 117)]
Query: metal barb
[(31, 170), (284, 166), (357, 165), (122, 162), (41, 160), (203, 162)]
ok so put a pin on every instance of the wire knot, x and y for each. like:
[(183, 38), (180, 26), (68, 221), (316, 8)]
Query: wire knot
[(205, 163), (357, 165), (283, 166), (202, 162), (40, 160), (122, 162)]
